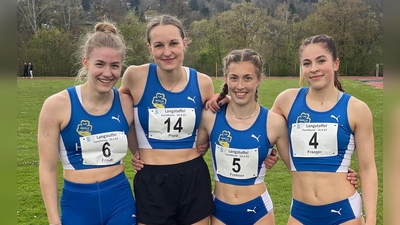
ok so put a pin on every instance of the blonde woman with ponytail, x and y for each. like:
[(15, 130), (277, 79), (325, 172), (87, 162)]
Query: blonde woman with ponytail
[(86, 127)]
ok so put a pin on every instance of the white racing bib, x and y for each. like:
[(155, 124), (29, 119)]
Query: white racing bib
[(236, 163), (314, 139), (104, 149), (171, 123)]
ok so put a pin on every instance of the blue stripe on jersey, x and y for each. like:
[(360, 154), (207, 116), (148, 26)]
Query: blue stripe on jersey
[(301, 113), (156, 96), (83, 124), (254, 137)]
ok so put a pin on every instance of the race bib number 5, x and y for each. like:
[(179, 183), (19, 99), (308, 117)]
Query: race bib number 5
[(171, 123), (314, 139), (236, 163), (104, 149)]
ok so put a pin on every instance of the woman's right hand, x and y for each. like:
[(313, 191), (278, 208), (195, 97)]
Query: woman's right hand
[(136, 162), (213, 103)]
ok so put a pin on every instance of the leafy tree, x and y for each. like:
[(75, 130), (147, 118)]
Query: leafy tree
[(197, 44), (134, 4), (111, 10), (356, 30), (242, 26), (194, 6), (134, 32), (274, 28), (178, 8), (51, 51), (86, 5), (282, 38)]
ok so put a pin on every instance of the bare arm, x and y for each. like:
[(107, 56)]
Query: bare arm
[(134, 148), (284, 101), (50, 122), (126, 81), (127, 107), (207, 90), (278, 133), (129, 84), (207, 120), (134, 81), (132, 140), (360, 118), (206, 87)]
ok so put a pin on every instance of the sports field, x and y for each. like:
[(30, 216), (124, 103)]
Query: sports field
[(31, 94)]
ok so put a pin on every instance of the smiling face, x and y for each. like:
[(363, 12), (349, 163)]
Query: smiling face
[(104, 68), (242, 81), (167, 46), (318, 65)]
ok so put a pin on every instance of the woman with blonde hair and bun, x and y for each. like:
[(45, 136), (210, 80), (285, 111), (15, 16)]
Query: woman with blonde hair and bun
[(86, 126)]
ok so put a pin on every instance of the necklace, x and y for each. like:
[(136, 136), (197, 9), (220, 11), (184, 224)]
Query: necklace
[(243, 118), (170, 89)]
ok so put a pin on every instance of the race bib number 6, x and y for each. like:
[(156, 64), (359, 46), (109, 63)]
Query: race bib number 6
[(314, 139), (104, 149)]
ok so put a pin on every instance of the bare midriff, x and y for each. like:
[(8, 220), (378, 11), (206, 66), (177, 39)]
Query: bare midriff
[(167, 156), (235, 194), (319, 188), (90, 176)]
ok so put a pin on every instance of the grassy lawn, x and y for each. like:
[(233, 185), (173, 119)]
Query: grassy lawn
[(32, 93)]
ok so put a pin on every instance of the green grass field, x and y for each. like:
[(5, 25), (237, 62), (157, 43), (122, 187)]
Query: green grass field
[(32, 93)]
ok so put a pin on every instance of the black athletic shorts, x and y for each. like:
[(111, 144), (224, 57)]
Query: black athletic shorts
[(173, 194)]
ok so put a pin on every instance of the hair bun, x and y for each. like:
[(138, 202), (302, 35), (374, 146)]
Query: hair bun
[(106, 27)]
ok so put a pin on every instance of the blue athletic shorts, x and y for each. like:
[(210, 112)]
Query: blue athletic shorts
[(247, 213), (330, 214), (108, 202)]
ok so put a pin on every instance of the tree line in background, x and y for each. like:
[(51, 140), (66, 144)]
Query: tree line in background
[(50, 31)]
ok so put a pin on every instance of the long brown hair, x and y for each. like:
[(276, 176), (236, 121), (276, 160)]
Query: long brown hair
[(242, 55), (330, 46)]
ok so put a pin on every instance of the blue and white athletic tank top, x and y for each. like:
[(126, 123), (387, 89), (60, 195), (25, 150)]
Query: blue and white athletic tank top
[(168, 120), (320, 141), (90, 141), (238, 155)]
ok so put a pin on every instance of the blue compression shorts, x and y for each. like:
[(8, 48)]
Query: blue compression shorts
[(330, 214), (247, 213), (109, 202)]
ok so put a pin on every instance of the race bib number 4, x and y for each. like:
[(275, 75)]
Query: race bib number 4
[(236, 163), (314, 139), (171, 123), (104, 149)]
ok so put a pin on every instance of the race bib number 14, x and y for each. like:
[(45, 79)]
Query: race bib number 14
[(171, 123)]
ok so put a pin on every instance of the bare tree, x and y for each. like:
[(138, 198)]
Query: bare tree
[(32, 12), (68, 11)]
